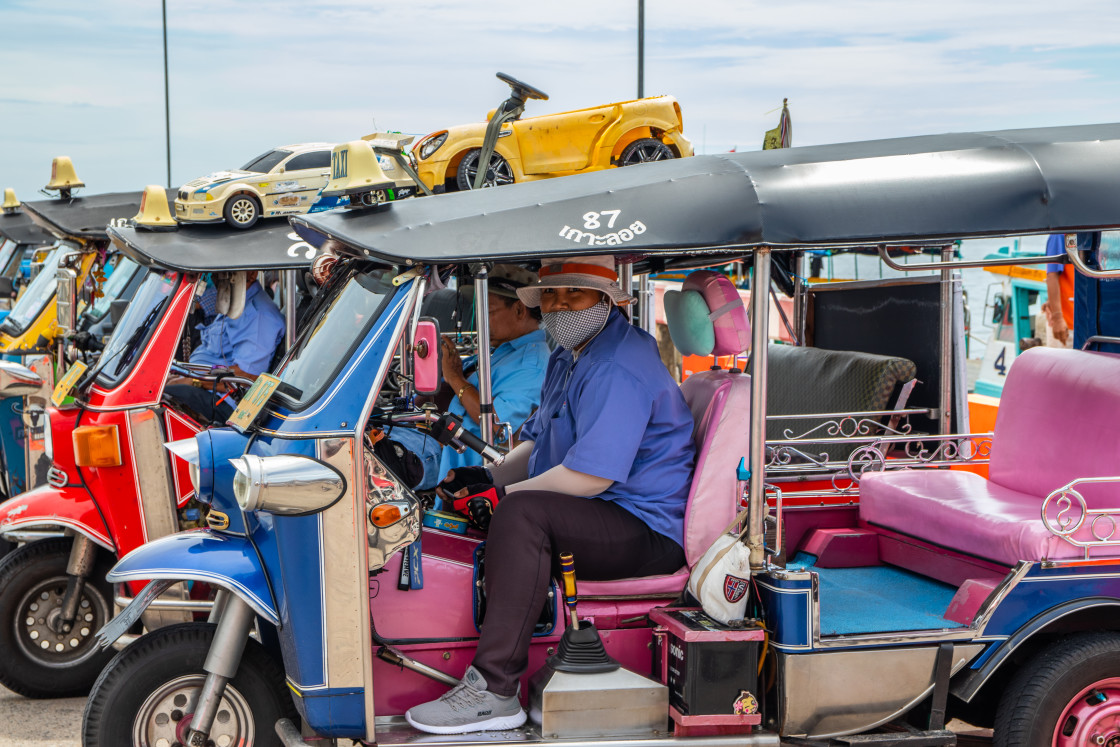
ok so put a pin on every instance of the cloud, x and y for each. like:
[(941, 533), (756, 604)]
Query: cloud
[(246, 76)]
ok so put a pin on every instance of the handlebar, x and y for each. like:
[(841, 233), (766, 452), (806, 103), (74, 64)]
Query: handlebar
[(450, 428)]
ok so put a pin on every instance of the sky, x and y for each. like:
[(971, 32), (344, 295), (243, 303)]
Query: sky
[(85, 79)]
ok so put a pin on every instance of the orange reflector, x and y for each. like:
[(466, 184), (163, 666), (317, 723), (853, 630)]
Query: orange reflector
[(384, 515), (97, 446)]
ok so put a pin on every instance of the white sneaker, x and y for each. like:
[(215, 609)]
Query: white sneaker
[(468, 706)]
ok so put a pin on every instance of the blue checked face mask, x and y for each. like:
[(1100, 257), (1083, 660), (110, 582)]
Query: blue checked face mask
[(571, 329)]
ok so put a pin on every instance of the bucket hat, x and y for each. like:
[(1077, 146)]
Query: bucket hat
[(595, 272)]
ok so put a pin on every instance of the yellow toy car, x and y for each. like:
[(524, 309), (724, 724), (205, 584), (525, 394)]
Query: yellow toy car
[(572, 142), (283, 181)]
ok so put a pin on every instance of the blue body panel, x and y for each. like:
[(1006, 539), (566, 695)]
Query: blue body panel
[(13, 442), (336, 410), (202, 555), (290, 546), (788, 604)]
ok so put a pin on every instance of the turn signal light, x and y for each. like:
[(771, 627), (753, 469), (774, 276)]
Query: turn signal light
[(97, 446), (384, 515)]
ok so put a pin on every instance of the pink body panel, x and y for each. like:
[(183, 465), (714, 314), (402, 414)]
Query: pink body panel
[(398, 690)]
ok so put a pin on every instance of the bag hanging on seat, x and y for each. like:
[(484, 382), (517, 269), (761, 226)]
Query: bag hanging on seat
[(721, 579)]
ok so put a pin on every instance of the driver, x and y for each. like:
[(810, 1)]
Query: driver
[(603, 472), (245, 346)]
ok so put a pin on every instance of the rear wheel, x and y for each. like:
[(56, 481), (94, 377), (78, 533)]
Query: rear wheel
[(498, 174), (242, 211), (645, 150), (147, 694), (1067, 696), (43, 658)]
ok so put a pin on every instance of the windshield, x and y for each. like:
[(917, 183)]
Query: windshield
[(113, 288), (7, 249), (333, 332), (264, 163), (136, 327), (37, 295)]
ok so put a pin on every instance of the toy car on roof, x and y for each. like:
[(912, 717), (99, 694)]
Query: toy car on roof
[(572, 142), (283, 181)]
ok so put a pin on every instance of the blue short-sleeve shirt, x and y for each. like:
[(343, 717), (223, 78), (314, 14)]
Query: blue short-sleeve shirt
[(249, 341), (615, 412), (1055, 247), (516, 373)]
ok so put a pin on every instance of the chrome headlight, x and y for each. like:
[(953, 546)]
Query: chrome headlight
[(17, 380), (431, 145), (288, 485), (187, 450)]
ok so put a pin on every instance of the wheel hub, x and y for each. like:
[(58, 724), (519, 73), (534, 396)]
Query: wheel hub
[(164, 720), (41, 631), (1092, 718)]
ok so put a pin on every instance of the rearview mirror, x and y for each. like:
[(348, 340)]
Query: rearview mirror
[(426, 356), (116, 311), (67, 299), (7, 288)]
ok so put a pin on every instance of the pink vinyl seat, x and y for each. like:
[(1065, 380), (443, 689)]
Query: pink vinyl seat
[(720, 404), (1057, 421)]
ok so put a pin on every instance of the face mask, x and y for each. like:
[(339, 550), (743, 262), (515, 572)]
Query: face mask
[(571, 329)]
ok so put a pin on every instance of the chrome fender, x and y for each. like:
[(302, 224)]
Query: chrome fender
[(229, 562)]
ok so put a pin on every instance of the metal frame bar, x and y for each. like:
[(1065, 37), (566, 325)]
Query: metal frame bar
[(756, 490), (482, 322)]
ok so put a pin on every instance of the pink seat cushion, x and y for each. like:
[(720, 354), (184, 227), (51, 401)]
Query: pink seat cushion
[(1057, 421), (665, 587), (962, 511)]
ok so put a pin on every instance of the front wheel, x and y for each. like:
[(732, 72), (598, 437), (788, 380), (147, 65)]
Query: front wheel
[(42, 657), (242, 211), (147, 694), (1067, 696), (498, 174), (645, 150)]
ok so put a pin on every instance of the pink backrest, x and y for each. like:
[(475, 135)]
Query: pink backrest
[(1058, 420), (721, 407)]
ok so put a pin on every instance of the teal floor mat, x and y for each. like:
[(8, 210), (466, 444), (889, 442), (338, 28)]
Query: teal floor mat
[(877, 599)]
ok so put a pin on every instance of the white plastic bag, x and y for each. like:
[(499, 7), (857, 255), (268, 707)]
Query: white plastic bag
[(722, 577)]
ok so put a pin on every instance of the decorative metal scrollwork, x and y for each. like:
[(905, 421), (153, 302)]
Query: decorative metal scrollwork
[(1065, 511), (850, 427)]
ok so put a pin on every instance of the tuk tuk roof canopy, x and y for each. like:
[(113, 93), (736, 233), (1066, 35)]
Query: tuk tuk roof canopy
[(86, 217), (896, 191), (21, 229), (270, 245)]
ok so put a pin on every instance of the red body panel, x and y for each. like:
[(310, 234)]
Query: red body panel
[(104, 502), (69, 506)]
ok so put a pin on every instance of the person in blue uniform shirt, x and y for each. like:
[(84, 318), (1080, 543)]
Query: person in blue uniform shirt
[(603, 472), (518, 359), (244, 346), (517, 363)]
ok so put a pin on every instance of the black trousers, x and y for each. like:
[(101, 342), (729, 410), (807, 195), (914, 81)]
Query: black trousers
[(528, 533)]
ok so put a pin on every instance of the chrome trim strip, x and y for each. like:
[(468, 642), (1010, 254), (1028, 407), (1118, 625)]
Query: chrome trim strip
[(177, 574)]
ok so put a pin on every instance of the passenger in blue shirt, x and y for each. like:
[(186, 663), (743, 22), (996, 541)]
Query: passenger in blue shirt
[(244, 345), (517, 364), (604, 473), (518, 360)]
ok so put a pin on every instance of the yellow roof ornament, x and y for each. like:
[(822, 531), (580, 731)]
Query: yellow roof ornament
[(11, 204), (155, 215), (63, 177), (356, 173)]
